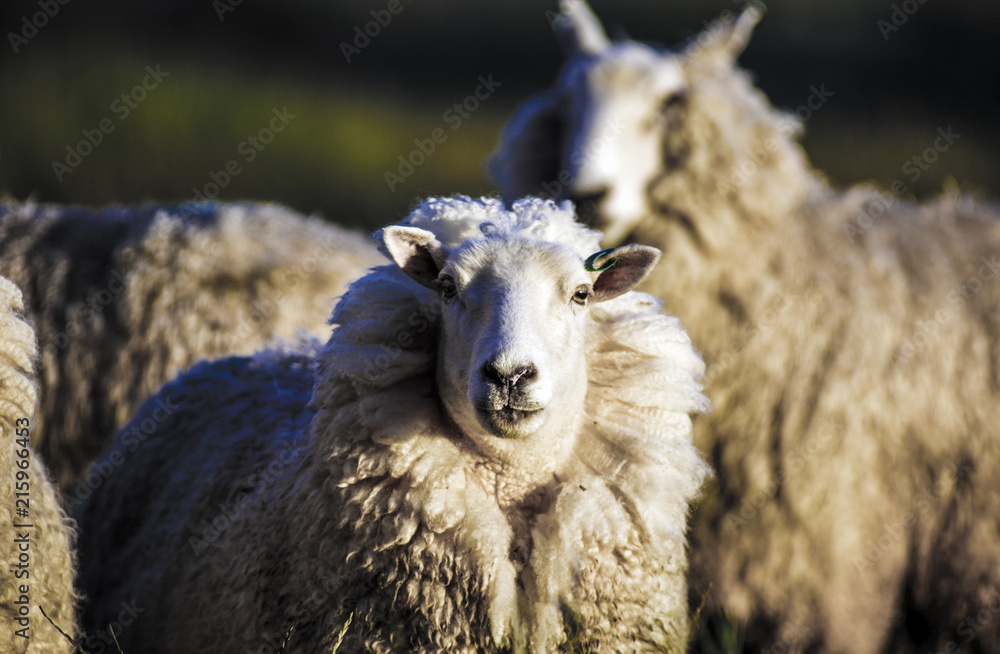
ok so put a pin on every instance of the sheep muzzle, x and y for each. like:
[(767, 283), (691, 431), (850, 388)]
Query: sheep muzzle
[(508, 406)]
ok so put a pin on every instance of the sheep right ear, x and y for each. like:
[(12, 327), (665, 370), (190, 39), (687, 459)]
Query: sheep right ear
[(529, 149), (620, 269), (416, 251)]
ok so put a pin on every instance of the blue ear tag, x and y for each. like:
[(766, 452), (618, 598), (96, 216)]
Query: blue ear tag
[(589, 263)]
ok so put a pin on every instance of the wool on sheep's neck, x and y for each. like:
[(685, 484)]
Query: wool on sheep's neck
[(521, 489)]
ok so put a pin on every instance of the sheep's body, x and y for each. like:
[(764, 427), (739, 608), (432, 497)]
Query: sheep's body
[(853, 345), (126, 298), (36, 552), (366, 506)]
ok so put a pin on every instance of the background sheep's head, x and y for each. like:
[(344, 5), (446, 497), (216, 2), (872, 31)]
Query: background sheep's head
[(512, 371), (627, 124)]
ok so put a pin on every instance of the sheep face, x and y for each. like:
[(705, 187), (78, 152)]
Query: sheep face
[(511, 359), (616, 106), (613, 124)]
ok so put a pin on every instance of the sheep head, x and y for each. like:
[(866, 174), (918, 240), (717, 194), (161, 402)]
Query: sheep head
[(612, 124), (512, 371)]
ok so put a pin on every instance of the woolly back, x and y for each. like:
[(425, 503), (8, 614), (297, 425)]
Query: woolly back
[(125, 298), (630, 479)]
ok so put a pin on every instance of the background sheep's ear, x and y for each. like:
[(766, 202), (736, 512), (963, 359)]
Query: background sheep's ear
[(634, 263), (578, 29), (529, 149), (729, 44), (416, 251)]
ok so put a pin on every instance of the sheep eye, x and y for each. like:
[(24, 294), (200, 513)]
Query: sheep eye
[(581, 294), (448, 290)]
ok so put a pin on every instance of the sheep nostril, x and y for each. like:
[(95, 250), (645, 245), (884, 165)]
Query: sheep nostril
[(493, 375), (523, 375), (509, 380)]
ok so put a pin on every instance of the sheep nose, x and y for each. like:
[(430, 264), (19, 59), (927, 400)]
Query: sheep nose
[(509, 378), (588, 205)]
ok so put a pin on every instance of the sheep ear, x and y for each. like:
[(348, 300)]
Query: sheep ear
[(621, 269), (416, 251), (727, 46), (578, 30), (528, 152)]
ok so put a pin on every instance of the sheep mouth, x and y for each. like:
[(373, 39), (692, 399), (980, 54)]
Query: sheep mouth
[(508, 421)]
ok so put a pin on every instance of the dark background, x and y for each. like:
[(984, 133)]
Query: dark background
[(352, 120)]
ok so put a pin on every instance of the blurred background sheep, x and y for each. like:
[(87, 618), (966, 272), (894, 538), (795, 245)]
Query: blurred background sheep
[(36, 553), (492, 453), (126, 298), (852, 341)]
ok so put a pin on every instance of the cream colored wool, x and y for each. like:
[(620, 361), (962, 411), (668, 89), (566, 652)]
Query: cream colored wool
[(852, 343), (36, 555), (126, 298), (376, 510)]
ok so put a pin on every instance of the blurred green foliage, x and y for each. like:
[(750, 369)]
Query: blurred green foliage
[(332, 156), (353, 121)]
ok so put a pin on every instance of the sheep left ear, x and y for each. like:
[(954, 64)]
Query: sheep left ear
[(416, 251), (620, 269)]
